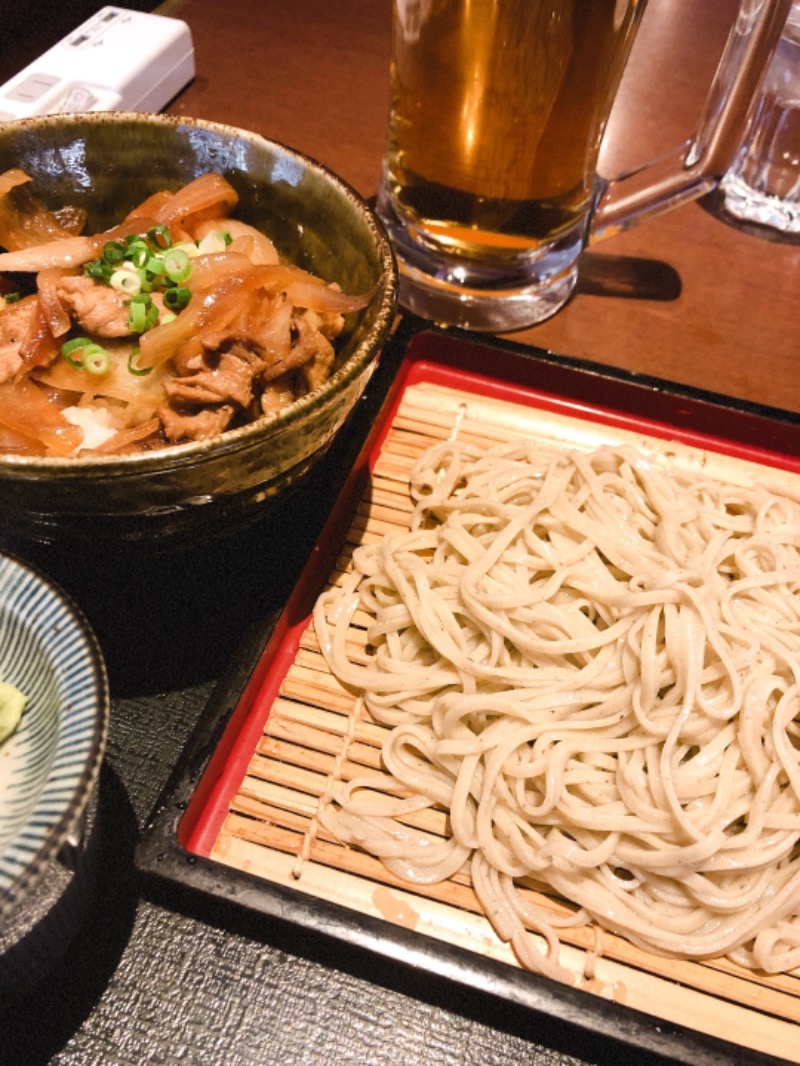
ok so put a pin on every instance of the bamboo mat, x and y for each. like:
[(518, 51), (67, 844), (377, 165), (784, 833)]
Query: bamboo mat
[(317, 732)]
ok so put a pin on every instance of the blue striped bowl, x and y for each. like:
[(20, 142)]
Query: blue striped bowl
[(49, 766)]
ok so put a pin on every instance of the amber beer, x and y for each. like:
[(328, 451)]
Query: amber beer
[(498, 108)]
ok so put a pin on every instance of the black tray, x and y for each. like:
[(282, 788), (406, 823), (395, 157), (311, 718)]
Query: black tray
[(184, 879)]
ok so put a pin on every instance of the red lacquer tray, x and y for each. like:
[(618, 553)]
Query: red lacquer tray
[(237, 821)]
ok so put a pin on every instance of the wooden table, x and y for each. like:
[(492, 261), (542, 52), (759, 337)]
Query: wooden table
[(687, 298), (710, 306)]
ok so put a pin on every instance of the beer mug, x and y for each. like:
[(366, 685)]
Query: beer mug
[(489, 189)]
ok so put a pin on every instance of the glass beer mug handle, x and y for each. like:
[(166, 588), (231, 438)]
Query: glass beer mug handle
[(698, 165)]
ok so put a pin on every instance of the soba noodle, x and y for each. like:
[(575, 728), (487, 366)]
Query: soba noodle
[(592, 665)]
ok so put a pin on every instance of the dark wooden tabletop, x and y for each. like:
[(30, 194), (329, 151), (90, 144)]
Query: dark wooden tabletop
[(688, 297)]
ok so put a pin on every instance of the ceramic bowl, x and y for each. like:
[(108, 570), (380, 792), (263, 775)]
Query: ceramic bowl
[(50, 764), (107, 163)]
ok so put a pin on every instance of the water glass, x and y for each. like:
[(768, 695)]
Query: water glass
[(763, 185)]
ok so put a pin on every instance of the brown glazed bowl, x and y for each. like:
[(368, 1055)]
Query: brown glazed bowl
[(107, 163)]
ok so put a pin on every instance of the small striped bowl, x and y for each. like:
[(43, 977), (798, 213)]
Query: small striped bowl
[(49, 766)]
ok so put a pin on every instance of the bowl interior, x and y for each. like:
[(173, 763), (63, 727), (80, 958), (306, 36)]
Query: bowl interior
[(48, 767), (107, 163)]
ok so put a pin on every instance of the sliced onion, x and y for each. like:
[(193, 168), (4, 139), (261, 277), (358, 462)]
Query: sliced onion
[(208, 192), (117, 385), (127, 438), (160, 343), (138, 225), (325, 298), (9, 179), (308, 291), (245, 245), (50, 304), (150, 207), (65, 252), (39, 347), (15, 443), (207, 308), (24, 221), (223, 308), (264, 250), (212, 269), (269, 323), (26, 409), (69, 251)]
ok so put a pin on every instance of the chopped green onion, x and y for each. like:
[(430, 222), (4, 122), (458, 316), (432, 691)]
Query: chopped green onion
[(72, 346), (12, 297), (96, 360), (160, 236), (126, 279), (155, 264), (137, 316), (142, 313), (177, 266), (98, 270), (177, 298), (113, 251), (138, 252), (137, 265), (84, 354), (132, 368)]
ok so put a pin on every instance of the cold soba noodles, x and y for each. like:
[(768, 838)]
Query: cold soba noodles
[(592, 665)]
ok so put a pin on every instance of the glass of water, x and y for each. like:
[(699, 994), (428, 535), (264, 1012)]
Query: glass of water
[(763, 183)]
